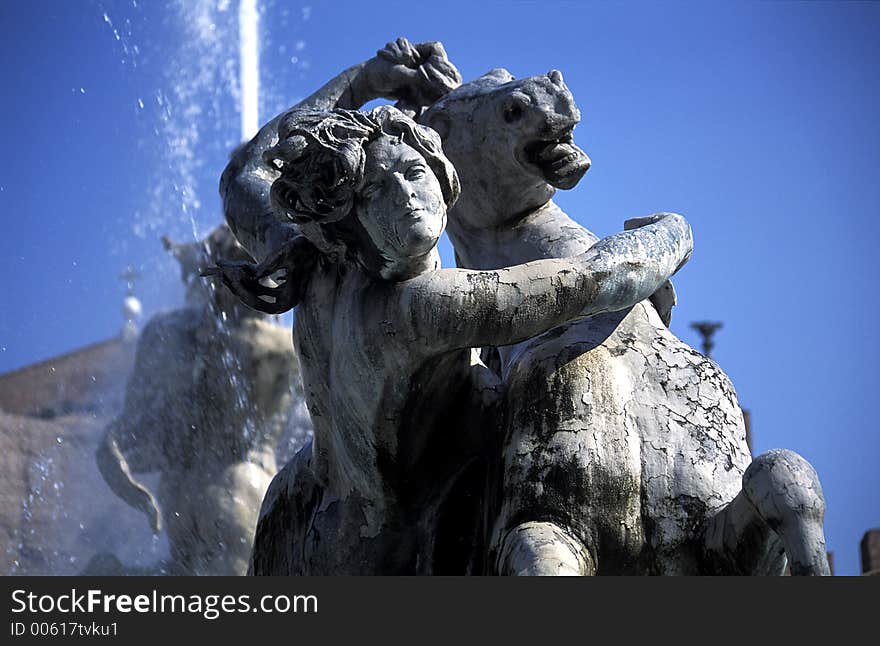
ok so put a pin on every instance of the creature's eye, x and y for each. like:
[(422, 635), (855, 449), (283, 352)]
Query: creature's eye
[(415, 172), (515, 107), (513, 112)]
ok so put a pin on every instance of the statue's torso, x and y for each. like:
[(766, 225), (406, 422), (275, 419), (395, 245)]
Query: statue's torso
[(392, 433)]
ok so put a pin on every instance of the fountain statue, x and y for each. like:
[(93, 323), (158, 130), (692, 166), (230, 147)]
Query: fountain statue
[(624, 449), (204, 407), (584, 438)]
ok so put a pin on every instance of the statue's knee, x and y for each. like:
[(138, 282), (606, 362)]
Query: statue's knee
[(780, 483), (543, 549)]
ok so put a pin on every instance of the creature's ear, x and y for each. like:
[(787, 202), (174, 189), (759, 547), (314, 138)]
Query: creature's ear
[(497, 76), (439, 122)]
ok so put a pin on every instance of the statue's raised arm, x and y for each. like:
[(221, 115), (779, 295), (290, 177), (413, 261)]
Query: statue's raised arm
[(413, 75), (458, 308)]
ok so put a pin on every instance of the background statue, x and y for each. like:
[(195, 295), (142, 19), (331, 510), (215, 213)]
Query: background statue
[(204, 407), (625, 449), (384, 335)]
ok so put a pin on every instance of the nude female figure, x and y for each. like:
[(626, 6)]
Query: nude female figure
[(383, 334)]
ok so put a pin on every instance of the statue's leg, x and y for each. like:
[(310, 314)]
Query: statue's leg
[(781, 508), (543, 549), (784, 489)]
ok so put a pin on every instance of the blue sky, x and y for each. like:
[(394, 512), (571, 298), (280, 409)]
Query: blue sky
[(758, 121)]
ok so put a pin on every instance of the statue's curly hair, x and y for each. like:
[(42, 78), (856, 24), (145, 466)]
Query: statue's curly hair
[(321, 157)]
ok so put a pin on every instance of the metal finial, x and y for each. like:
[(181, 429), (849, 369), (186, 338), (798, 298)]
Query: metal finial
[(707, 330), (131, 306), (129, 276)]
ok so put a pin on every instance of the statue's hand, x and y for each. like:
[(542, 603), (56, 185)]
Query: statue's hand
[(400, 52), (240, 277), (244, 280), (676, 224), (637, 223), (665, 298), (248, 280), (415, 75)]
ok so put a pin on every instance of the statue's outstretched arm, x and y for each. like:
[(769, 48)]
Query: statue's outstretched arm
[(665, 298), (424, 75), (456, 308), (117, 474)]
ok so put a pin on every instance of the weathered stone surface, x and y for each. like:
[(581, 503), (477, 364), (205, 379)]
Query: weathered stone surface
[(629, 441), (383, 334)]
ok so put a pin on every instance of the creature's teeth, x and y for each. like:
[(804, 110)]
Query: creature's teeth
[(560, 163)]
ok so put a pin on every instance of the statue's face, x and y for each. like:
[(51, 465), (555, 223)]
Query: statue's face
[(401, 203)]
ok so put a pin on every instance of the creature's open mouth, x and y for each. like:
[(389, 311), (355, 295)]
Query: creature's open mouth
[(560, 162)]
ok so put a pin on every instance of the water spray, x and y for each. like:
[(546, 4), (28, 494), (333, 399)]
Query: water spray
[(249, 52)]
